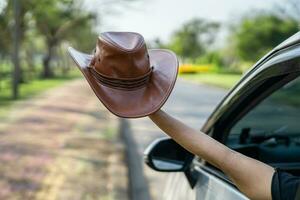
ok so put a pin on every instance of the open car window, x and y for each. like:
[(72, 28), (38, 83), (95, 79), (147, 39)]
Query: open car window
[(278, 114), (270, 131)]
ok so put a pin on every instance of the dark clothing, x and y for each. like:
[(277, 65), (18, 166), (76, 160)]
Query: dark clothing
[(285, 186)]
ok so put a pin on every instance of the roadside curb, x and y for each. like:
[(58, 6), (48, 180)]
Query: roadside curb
[(138, 186)]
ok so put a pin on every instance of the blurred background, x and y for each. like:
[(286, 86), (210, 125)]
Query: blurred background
[(57, 141)]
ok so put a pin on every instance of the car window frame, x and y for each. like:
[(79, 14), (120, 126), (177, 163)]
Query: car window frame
[(258, 79), (256, 101), (253, 101), (251, 79), (287, 68)]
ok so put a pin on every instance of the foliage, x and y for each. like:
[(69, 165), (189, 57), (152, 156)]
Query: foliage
[(193, 38), (211, 57), (44, 27), (4, 33), (63, 19), (256, 34), (253, 36)]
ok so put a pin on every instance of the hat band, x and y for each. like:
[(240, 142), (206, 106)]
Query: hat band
[(122, 83)]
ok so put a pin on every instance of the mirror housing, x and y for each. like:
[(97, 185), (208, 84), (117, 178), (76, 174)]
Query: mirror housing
[(165, 155)]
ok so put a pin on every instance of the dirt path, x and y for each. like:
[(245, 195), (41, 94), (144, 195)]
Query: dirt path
[(61, 145)]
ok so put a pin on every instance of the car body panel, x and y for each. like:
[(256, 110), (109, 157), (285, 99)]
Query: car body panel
[(210, 187)]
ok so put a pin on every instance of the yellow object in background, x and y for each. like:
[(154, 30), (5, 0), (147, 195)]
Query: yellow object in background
[(192, 68)]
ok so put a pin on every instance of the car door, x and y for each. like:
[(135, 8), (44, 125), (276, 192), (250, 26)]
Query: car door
[(258, 118)]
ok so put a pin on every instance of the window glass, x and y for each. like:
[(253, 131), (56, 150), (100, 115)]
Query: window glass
[(278, 114)]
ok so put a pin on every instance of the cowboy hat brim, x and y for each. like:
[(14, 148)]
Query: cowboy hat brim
[(140, 102)]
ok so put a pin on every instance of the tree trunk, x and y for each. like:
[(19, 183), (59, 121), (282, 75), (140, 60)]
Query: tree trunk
[(16, 47), (47, 72), (30, 64)]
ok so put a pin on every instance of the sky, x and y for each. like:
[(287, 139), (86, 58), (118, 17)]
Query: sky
[(159, 18)]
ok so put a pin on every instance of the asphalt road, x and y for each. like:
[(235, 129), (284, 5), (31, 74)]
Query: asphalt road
[(192, 104)]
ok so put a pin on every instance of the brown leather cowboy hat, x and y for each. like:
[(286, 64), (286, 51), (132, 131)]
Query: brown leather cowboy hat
[(129, 80)]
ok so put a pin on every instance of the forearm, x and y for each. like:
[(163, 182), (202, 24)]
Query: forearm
[(250, 176), (194, 141)]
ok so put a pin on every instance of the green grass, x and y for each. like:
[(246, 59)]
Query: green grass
[(30, 89), (216, 79)]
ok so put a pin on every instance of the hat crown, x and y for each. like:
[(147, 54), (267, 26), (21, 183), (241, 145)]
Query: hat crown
[(121, 55)]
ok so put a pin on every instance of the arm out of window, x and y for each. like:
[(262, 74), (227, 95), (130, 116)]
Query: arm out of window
[(251, 176)]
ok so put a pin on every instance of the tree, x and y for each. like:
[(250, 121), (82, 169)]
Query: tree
[(7, 22), (193, 38), (13, 13), (56, 20), (16, 46), (256, 34), (4, 33)]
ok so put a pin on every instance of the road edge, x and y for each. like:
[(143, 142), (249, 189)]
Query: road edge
[(138, 185)]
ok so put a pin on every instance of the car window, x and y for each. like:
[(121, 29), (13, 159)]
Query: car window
[(278, 114)]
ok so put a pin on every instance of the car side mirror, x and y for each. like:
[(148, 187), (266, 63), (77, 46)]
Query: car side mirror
[(166, 155)]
